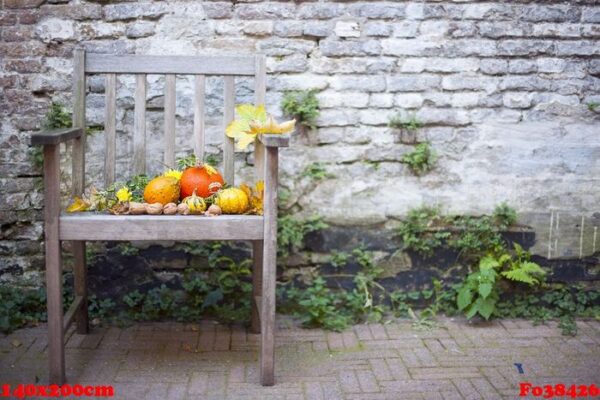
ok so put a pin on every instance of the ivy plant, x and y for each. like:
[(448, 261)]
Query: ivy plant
[(420, 160), (302, 105)]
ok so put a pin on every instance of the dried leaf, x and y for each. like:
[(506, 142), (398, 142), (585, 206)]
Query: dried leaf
[(78, 205)]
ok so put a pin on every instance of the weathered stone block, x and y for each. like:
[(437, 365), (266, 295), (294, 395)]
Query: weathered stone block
[(551, 65), (126, 11), (557, 30), (524, 48), (140, 29), (414, 11), (541, 13), (522, 66), (405, 29), (22, 3), (467, 99), (331, 99), (297, 82), (99, 30), (518, 100), (410, 47), (293, 63), (381, 100), (377, 29), (590, 14), (471, 82), (487, 11), (346, 28), (337, 117), (16, 33), (23, 66), (577, 48), (320, 10), (493, 67), (408, 100), (318, 29), (54, 29), (258, 28), (381, 65), (326, 65), (288, 28), (336, 48), (285, 47), (269, 10), (495, 30), (451, 64), (443, 116), (364, 83), (377, 10), (218, 10), (75, 11), (412, 83)]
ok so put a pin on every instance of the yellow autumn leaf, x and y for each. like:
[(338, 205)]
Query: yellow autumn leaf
[(78, 205), (271, 126), (245, 140), (210, 170), (255, 197), (124, 194), (173, 173), (248, 112)]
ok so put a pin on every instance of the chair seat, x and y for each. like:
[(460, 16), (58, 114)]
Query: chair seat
[(101, 226)]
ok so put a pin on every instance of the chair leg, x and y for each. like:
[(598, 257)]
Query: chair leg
[(56, 344), (56, 349), (257, 255), (267, 339), (80, 283)]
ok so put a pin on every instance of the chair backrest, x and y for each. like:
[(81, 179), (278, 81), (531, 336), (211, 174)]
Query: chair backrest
[(141, 65)]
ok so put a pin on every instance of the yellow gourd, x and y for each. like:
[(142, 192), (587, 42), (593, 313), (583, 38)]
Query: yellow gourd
[(232, 201), (162, 189), (195, 203)]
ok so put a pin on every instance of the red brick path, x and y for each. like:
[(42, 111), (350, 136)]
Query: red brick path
[(456, 360)]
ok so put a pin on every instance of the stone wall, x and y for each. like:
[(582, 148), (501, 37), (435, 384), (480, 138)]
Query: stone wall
[(503, 89)]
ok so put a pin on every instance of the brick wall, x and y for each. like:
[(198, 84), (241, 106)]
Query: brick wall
[(502, 88)]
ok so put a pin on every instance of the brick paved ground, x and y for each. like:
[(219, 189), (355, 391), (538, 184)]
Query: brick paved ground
[(210, 361)]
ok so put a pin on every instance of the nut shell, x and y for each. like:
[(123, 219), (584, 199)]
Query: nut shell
[(154, 208), (183, 209), (170, 209), (136, 208)]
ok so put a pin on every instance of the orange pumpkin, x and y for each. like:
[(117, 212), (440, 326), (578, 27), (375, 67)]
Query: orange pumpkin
[(203, 179)]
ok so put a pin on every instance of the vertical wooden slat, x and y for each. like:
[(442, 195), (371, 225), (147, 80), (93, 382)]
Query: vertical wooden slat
[(257, 256), (78, 186), (110, 129), (78, 153), (139, 126), (56, 350), (199, 91), (260, 90), (169, 159), (269, 271), (228, 143), (80, 285)]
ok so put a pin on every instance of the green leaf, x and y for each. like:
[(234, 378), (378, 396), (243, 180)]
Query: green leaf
[(464, 298), (212, 298), (486, 306), (488, 263), (485, 289), (472, 311)]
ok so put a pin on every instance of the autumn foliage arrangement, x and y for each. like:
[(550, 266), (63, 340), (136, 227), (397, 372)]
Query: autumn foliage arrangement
[(195, 188)]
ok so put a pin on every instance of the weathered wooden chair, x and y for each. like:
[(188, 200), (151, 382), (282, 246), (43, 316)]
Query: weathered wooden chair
[(81, 227)]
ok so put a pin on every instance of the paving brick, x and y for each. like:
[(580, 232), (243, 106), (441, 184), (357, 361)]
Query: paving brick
[(442, 373), (369, 361), (367, 381)]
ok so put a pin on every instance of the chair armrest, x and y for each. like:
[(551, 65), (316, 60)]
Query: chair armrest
[(56, 136), (274, 140)]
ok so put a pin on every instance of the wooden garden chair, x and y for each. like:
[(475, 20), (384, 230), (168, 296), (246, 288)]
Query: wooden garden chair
[(81, 227)]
